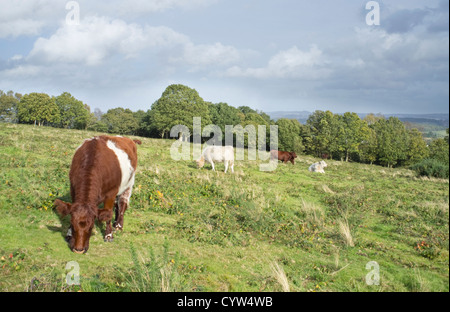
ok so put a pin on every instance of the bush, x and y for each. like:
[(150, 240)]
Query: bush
[(431, 168)]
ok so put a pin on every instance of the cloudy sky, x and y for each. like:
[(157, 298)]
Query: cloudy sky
[(271, 55)]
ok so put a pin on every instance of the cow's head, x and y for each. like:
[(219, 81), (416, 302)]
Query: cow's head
[(200, 162), (82, 219), (293, 156)]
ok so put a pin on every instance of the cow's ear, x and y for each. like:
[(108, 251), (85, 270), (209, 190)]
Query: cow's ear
[(62, 208)]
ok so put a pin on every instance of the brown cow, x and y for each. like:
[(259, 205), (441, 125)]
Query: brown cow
[(102, 170), (283, 156)]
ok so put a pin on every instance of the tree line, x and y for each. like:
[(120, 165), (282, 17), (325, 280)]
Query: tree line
[(373, 140)]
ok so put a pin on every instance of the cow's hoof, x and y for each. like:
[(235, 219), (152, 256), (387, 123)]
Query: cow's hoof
[(109, 238), (118, 227)]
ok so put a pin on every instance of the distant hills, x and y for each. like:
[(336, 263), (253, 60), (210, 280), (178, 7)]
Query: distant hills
[(441, 120)]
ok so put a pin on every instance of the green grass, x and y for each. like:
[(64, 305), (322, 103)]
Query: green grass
[(192, 229)]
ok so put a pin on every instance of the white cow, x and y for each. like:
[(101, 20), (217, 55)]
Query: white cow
[(318, 167), (213, 154)]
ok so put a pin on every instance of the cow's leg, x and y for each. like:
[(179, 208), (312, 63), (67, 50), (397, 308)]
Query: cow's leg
[(212, 164), (232, 166), (122, 205), (226, 165), (116, 210), (106, 215)]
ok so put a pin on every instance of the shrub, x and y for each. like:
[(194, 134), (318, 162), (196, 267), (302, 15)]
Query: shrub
[(431, 168)]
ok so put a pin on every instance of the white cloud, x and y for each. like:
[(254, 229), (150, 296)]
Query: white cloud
[(98, 38), (412, 49), (21, 71), (139, 7), (101, 44), (204, 55), (291, 63), (31, 17), (20, 27), (28, 17)]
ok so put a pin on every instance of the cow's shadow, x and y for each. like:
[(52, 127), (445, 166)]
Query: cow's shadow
[(192, 165), (65, 221)]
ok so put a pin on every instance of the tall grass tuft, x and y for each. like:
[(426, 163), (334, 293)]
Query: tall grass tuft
[(280, 276), (152, 274), (314, 213), (344, 230)]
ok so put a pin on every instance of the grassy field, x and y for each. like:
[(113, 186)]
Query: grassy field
[(192, 229)]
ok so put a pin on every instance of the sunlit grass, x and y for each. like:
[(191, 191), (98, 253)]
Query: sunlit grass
[(193, 229)]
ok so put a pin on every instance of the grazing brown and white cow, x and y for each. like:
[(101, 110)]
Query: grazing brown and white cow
[(102, 171), (283, 156)]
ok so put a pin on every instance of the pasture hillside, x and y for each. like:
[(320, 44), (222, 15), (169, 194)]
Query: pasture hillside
[(192, 229)]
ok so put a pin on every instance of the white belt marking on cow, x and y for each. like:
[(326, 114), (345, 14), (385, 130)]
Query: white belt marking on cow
[(125, 167)]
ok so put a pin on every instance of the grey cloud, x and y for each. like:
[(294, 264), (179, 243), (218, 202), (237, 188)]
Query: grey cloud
[(433, 19), (404, 21)]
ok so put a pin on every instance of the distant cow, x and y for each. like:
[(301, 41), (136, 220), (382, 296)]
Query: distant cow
[(213, 154), (102, 170), (283, 156), (318, 167)]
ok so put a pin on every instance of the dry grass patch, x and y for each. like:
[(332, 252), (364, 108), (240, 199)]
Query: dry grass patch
[(344, 231), (280, 276)]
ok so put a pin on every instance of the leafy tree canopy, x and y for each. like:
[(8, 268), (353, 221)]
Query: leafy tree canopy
[(38, 108)]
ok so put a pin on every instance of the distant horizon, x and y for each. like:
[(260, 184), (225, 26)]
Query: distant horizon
[(359, 113), (398, 113)]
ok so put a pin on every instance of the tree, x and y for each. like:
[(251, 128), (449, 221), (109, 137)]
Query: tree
[(223, 115), (38, 108), (371, 118), (307, 139), (439, 150), (368, 149), (325, 129), (354, 131), (317, 126), (392, 141), (178, 105), (417, 148), (254, 120), (8, 106), (247, 110), (289, 135), (74, 114), (120, 121)]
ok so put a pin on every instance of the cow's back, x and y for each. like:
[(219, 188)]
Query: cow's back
[(102, 165), (228, 153), (219, 153), (93, 171)]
